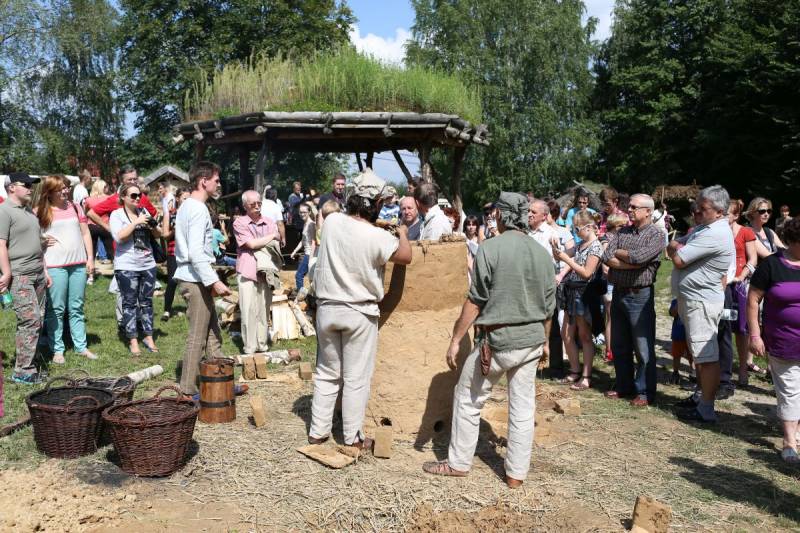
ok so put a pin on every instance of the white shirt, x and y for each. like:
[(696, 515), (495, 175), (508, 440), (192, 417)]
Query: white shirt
[(168, 198), (193, 237), (350, 266), (435, 225), (543, 235), (79, 194), (272, 210)]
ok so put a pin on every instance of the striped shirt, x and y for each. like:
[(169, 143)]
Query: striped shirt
[(644, 246)]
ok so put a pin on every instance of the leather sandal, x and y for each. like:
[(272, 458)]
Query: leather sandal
[(513, 483), (570, 378), (320, 440), (752, 367), (442, 468), (578, 385), (364, 446)]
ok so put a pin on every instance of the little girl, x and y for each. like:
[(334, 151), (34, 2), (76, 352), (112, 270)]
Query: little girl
[(613, 224), (583, 261), (308, 243)]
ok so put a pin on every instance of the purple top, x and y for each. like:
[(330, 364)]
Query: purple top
[(781, 323)]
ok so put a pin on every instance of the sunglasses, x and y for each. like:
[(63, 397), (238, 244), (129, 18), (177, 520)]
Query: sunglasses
[(134, 195), (26, 185), (765, 211)]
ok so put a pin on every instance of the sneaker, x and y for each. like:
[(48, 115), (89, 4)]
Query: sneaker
[(90, 280), (725, 392), (165, 317), (609, 357), (28, 379)]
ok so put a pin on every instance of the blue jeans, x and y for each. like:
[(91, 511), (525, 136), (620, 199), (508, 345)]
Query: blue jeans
[(633, 332), (302, 270), (65, 295), (136, 290)]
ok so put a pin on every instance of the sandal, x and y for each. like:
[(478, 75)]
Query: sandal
[(789, 455), (578, 385), (572, 377), (58, 359), (752, 367), (442, 468), (89, 355), (151, 349)]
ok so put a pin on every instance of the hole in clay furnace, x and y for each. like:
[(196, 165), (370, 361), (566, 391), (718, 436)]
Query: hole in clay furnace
[(386, 422), (438, 426)]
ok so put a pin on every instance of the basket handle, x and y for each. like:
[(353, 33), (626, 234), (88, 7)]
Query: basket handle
[(137, 412), (82, 371), (69, 380), (84, 397), (157, 395)]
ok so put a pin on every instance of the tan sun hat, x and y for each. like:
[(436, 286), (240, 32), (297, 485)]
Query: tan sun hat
[(367, 185)]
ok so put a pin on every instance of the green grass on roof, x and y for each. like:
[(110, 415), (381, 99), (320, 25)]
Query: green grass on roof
[(339, 81)]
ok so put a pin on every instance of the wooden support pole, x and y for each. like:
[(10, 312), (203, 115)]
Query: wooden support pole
[(359, 163), (261, 164), (244, 169), (455, 180), (369, 159), (402, 165), (425, 162), (199, 151)]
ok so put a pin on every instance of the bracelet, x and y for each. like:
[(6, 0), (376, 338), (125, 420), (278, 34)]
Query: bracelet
[(752, 337)]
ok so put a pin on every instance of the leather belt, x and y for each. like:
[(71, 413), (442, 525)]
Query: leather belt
[(632, 290)]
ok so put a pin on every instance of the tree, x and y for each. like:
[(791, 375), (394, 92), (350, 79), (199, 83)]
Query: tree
[(529, 59), (61, 112), (701, 90), (192, 38)]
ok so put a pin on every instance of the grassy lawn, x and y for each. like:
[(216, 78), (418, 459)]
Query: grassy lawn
[(114, 360)]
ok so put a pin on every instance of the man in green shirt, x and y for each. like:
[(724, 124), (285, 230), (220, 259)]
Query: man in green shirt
[(22, 272), (511, 300)]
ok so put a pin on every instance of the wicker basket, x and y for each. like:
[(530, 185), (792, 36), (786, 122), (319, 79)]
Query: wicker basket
[(121, 388), (66, 420), (152, 436)]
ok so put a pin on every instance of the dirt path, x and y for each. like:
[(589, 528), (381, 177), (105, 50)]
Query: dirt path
[(587, 472)]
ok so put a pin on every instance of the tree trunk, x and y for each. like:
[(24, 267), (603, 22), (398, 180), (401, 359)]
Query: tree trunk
[(261, 164)]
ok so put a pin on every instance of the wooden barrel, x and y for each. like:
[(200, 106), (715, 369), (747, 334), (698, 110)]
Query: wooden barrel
[(217, 399)]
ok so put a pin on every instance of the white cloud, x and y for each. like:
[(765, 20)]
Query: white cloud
[(602, 10), (388, 49)]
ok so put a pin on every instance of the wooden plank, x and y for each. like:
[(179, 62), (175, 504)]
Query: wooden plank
[(259, 410), (326, 455), (249, 368), (305, 372), (261, 366)]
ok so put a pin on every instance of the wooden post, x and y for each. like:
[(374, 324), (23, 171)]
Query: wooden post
[(402, 165), (199, 151), (359, 163), (425, 162), (261, 163), (244, 169), (455, 180), (369, 159)]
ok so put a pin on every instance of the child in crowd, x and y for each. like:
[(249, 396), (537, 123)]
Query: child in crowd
[(679, 347), (613, 224), (308, 243), (219, 239)]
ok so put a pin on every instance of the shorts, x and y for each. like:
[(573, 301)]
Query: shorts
[(786, 377), (701, 320), (582, 310), (679, 349)]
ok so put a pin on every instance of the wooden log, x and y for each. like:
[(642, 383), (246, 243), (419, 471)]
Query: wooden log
[(249, 368), (383, 442), (305, 372), (358, 161), (402, 165), (369, 159), (8, 429), (259, 410), (261, 366)]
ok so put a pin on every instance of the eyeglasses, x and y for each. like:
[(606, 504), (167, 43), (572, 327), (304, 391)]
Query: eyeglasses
[(26, 185), (635, 207), (581, 228), (134, 195), (765, 211)]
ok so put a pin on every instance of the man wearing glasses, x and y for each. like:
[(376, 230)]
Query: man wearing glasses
[(633, 257), (23, 273), (253, 232)]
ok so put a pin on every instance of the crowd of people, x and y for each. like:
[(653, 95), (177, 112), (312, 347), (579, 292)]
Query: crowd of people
[(544, 280)]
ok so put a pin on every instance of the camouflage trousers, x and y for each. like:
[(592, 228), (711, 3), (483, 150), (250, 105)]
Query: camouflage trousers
[(30, 294)]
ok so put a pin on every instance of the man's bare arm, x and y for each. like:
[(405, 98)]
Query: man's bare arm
[(469, 313)]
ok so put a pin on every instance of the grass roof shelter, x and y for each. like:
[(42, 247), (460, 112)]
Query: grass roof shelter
[(358, 105)]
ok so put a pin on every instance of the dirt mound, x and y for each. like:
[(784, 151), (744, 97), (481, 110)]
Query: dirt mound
[(49, 499), (412, 386)]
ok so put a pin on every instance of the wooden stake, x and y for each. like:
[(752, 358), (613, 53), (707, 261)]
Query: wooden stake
[(402, 165)]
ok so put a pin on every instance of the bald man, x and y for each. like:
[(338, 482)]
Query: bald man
[(409, 216), (633, 257)]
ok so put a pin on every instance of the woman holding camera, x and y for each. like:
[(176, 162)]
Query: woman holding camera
[(134, 266)]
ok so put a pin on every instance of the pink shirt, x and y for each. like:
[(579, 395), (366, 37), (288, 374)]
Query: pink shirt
[(245, 230), (69, 249)]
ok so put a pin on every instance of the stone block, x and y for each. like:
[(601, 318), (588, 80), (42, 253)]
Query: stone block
[(651, 515), (305, 371), (383, 442)]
